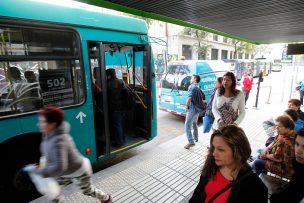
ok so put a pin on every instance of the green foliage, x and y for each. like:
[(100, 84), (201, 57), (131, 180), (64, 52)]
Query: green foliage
[(202, 46)]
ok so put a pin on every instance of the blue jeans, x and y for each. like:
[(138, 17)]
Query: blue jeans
[(207, 123), (259, 165), (191, 120), (117, 120)]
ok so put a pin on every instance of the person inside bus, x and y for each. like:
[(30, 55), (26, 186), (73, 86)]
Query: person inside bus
[(209, 118), (247, 82), (226, 167), (277, 157), (60, 159), (15, 88), (32, 99), (295, 104), (293, 192), (116, 107), (228, 105)]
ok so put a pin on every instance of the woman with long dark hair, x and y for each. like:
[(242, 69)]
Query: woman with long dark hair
[(228, 105), (226, 167)]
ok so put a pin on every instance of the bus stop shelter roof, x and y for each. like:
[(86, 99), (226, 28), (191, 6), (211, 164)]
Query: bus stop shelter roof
[(255, 21)]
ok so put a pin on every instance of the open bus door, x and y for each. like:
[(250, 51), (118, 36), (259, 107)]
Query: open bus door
[(101, 116), (132, 63)]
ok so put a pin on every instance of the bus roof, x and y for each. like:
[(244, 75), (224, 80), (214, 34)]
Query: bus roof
[(77, 14)]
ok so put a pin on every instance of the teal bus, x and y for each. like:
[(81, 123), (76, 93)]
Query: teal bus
[(175, 82), (56, 55)]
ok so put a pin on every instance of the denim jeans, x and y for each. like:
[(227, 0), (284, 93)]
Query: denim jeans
[(117, 120), (191, 120)]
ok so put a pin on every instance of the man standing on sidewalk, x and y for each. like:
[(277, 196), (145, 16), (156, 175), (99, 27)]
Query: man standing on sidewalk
[(192, 111)]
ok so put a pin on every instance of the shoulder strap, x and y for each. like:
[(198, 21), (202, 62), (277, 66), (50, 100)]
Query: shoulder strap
[(234, 97), (230, 185)]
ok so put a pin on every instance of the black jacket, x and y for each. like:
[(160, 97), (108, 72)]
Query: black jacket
[(294, 191), (115, 99), (249, 190)]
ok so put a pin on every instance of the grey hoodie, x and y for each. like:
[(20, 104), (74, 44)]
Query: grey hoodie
[(60, 152)]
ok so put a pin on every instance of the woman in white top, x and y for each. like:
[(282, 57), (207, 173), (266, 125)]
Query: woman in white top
[(228, 105)]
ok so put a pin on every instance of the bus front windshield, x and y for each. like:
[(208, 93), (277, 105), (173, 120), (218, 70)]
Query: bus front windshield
[(177, 77)]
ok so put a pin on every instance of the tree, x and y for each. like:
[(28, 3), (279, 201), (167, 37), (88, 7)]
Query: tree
[(243, 47), (202, 47), (263, 49)]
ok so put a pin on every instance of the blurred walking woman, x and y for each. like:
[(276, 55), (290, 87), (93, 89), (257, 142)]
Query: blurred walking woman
[(228, 105), (60, 159), (226, 176)]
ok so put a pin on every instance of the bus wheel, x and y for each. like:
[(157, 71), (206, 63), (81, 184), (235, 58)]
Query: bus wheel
[(16, 185)]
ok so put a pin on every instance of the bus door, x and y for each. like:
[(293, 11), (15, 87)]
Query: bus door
[(99, 92), (140, 80), (132, 63)]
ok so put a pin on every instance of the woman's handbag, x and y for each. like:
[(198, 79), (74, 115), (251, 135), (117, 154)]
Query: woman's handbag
[(228, 114)]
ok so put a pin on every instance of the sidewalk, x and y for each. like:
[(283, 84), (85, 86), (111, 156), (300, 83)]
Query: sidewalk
[(168, 172)]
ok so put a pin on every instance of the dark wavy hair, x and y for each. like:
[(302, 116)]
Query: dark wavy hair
[(234, 91), (237, 140), (293, 114)]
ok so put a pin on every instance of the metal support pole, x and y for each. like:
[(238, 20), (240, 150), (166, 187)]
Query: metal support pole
[(270, 88), (258, 90)]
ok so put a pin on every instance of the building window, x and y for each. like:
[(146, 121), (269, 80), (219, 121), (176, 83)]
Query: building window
[(233, 41), (214, 54), (187, 52), (246, 56), (252, 57), (240, 55), (224, 54), (225, 40), (215, 37)]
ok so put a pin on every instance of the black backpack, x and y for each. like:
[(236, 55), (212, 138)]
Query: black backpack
[(199, 99), (128, 97)]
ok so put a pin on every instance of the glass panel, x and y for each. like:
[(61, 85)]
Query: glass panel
[(29, 85), (37, 42), (178, 77)]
